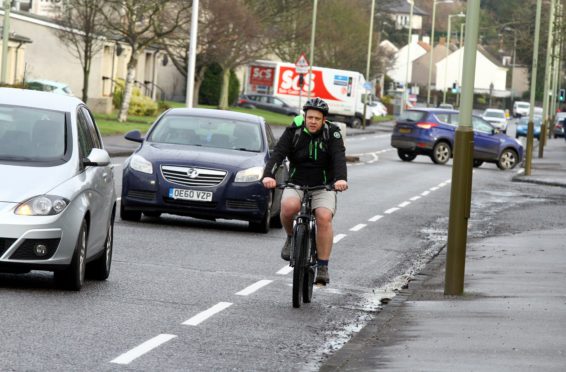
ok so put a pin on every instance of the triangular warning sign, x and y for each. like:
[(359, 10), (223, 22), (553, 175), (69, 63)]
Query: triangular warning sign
[(302, 61)]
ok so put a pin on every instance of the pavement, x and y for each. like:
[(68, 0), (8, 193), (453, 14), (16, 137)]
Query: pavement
[(511, 317)]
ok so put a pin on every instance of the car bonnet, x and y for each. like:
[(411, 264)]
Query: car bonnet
[(20, 183)]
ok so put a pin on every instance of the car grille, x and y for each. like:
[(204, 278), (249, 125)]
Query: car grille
[(5, 243), (25, 250), (241, 204), (188, 176), (190, 203), (140, 194)]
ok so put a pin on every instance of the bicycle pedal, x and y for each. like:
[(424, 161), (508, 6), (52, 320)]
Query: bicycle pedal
[(320, 285)]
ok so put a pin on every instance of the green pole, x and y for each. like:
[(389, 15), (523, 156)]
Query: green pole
[(529, 151), (372, 15), (461, 189), (5, 40), (548, 70), (313, 31), (430, 59), (446, 61), (405, 91)]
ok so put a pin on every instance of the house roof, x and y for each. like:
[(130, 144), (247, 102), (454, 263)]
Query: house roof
[(402, 7), (16, 37)]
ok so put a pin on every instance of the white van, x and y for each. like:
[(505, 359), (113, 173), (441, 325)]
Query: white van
[(521, 108)]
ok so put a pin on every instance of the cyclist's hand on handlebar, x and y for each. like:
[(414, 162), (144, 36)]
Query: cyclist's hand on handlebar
[(269, 183), (341, 185)]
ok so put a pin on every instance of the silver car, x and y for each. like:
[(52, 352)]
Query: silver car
[(57, 197)]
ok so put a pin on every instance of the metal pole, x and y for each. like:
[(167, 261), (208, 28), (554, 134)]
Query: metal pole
[(547, 71), (430, 59), (313, 31), (459, 78), (513, 64), (406, 85), (529, 150), (192, 55), (372, 15), (446, 60), (5, 40), (461, 189), (556, 59)]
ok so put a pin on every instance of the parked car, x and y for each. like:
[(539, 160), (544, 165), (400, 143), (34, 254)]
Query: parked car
[(497, 118), (269, 103), (446, 106), (49, 86), (378, 108), (204, 164), (58, 200), (431, 132), (521, 108), (523, 125), (558, 129)]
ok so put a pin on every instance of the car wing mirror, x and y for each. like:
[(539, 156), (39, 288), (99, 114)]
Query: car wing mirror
[(97, 157), (134, 135)]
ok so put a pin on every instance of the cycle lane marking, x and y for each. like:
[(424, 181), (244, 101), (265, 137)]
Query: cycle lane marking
[(254, 287), (204, 315), (404, 204), (358, 227), (136, 352)]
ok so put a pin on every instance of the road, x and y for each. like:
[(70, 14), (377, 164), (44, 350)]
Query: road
[(201, 295)]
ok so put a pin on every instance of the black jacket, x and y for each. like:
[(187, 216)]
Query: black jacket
[(315, 159)]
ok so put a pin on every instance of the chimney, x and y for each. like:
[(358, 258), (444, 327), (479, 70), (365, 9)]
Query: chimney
[(426, 39)]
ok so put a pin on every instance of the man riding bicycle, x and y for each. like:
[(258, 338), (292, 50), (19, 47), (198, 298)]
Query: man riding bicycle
[(317, 156)]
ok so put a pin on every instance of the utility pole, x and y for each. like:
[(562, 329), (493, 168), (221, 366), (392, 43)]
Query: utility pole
[(192, 55), (5, 41), (546, 90), (372, 15)]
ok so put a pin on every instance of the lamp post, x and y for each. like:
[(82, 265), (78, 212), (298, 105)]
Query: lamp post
[(459, 78), (512, 92), (372, 15), (405, 92), (547, 72), (192, 55), (430, 59), (313, 31), (5, 40), (447, 52)]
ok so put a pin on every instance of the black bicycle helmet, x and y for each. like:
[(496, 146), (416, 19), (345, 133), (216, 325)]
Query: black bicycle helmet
[(316, 104)]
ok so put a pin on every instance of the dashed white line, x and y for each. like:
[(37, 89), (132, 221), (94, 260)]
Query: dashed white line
[(338, 237), (425, 193), (201, 317), (442, 184), (433, 188), (254, 287), (285, 270), (375, 218), (358, 227), (415, 198), (404, 204), (139, 350), (391, 210)]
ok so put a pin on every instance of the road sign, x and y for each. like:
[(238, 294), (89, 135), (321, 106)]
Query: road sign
[(302, 65)]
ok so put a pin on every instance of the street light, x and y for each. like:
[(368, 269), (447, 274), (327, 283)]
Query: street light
[(447, 51), (432, 47), (405, 93), (508, 29)]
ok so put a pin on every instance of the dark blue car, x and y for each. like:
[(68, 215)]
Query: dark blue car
[(523, 126), (431, 132), (204, 164)]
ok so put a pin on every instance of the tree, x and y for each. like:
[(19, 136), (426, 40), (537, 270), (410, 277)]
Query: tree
[(141, 24), (82, 33)]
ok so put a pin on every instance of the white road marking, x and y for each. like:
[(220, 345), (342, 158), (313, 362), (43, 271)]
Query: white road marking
[(338, 237), (119, 198), (139, 350), (433, 188), (285, 270), (254, 287), (415, 198), (404, 204), (375, 218), (442, 184), (201, 317), (425, 193), (391, 210), (358, 227)]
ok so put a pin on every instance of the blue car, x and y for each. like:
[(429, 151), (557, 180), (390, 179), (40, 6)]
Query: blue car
[(205, 164), (431, 132), (523, 126)]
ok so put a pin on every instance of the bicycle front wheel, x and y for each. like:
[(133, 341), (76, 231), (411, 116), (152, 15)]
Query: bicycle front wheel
[(300, 244)]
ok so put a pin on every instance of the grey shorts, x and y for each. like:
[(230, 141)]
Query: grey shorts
[(320, 198)]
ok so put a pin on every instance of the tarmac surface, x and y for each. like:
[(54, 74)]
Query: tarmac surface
[(512, 316)]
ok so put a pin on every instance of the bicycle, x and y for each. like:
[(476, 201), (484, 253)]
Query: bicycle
[(303, 256)]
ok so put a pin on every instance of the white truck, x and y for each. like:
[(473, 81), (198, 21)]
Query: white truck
[(342, 89)]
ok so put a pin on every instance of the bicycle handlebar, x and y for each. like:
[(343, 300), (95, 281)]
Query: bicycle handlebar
[(305, 188)]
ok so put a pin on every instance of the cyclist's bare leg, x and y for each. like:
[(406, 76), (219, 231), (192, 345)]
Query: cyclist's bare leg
[(290, 206), (324, 233)]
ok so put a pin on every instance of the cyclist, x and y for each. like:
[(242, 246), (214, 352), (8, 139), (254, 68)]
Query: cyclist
[(317, 156)]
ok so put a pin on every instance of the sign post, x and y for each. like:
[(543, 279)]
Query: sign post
[(301, 67)]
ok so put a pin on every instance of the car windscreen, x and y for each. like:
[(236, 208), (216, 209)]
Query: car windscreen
[(524, 121), (208, 132), (494, 114), (412, 115), (32, 135)]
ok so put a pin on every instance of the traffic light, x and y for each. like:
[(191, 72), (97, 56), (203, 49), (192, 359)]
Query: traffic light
[(562, 95)]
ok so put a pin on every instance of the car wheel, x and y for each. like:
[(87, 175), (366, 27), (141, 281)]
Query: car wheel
[(152, 214), (263, 225), (406, 155), (129, 215), (99, 269), (508, 159), (441, 153), (72, 278), (356, 122), (477, 163)]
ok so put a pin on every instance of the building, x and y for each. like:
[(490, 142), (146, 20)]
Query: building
[(400, 11), (398, 71)]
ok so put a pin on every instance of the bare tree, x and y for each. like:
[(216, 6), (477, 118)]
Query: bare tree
[(82, 32), (141, 24)]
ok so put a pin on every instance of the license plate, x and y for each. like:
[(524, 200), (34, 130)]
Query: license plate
[(404, 130), (195, 195)]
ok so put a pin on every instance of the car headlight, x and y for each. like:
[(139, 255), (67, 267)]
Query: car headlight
[(43, 205), (249, 175), (140, 164)]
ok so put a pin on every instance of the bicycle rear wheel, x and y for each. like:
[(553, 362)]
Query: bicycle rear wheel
[(300, 245)]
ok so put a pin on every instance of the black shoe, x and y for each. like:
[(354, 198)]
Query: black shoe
[(322, 275), (286, 250)]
